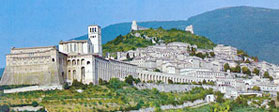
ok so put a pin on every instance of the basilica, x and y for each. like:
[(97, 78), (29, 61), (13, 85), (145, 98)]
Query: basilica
[(79, 60)]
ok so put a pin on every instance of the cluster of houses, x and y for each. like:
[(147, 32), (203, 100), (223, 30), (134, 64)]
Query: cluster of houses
[(173, 61)]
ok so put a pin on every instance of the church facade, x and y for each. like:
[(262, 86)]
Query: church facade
[(79, 60)]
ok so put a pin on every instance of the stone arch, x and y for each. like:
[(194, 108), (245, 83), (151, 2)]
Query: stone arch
[(156, 78), (69, 62), (77, 61), (74, 74), (82, 73), (82, 61), (74, 62), (88, 62)]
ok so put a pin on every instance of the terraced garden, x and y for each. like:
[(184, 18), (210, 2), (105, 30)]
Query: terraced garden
[(112, 96)]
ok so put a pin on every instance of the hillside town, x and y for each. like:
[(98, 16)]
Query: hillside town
[(180, 62), (168, 67)]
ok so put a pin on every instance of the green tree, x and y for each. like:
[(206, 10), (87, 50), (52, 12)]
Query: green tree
[(236, 69), (266, 75), (242, 53), (102, 82), (78, 84), (241, 100), (271, 78), (203, 82), (256, 71), (157, 70), (219, 96), (170, 81), (35, 104), (246, 70), (247, 61), (199, 54), (272, 104), (256, 88), (137, 80), (212, 54), (115, 83), (226, 67), (129, 80), (66, 86)]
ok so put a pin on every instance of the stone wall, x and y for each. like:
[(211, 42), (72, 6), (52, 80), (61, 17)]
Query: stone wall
[(33, 88), (45, 67), (171, 87)]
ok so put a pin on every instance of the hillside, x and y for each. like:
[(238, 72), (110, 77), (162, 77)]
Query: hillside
[(131, 41), (249, 28)]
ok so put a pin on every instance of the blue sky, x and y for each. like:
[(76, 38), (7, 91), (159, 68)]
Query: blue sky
[(29, 23)]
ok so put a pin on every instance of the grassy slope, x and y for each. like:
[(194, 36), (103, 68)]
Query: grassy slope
[(129, 42)]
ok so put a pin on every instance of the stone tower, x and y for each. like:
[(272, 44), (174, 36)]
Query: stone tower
[(190, 29), (134, 26), (95, 37)]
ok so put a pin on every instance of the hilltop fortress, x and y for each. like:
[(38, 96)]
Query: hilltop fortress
[(74, 60)]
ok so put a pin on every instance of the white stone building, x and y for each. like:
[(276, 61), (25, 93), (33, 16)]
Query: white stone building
[(135, 27)]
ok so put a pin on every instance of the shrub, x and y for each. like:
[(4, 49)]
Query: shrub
[(66, 86), (102, 82), (137, 80), (78, 84), (256, 88), (129, 80), (4, 108), (170, 81), (115, 83), (35, 104), (226, 67)]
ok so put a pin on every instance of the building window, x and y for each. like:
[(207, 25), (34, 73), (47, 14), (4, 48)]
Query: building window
[(69, 75), (53, 60), (88, 62), (69, 62)]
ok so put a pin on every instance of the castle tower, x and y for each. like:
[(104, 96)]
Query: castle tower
[(134, 26), (94, 35), (190, 29)]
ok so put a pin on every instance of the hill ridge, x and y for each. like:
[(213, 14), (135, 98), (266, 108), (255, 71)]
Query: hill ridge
[(252, 29)]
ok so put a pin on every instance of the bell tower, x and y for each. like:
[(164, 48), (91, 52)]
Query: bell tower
[(94, 35)]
